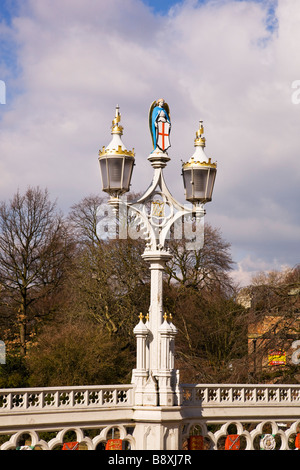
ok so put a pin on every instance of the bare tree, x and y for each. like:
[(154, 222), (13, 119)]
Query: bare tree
[(110, 280), (211, 343), (34, 247), (202, 268), (85, 218)]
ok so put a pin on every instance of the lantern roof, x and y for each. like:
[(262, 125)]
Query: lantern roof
[(116, 145), (199, 157)]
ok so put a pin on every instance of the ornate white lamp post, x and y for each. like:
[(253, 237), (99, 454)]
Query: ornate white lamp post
[(156, 212)]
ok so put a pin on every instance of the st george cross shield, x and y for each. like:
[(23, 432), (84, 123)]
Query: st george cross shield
[(163, 135), (70, 446), (232, 442)]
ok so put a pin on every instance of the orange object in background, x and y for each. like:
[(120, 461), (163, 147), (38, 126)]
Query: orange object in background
[(114, 444), (71, 446), (195, 443), (232, 442)]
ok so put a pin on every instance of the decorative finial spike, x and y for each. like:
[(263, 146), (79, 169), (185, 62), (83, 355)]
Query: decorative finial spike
[(141, 316), (200, 140), (165, 317), (116, 129)]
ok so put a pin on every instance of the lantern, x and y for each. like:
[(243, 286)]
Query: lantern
[(199, 173), (116, 162)]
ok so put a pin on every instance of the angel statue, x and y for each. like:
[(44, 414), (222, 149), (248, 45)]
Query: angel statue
[(160, 125)]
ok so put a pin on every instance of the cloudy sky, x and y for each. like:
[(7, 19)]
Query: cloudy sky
[(234, 64)]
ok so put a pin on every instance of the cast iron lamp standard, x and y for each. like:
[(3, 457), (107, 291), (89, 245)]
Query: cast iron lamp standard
[(156, 213)]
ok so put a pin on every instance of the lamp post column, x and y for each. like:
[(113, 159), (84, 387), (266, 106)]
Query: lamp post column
[(157, 260)]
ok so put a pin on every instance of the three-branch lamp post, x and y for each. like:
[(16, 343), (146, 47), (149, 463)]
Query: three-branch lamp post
[(155, 213)]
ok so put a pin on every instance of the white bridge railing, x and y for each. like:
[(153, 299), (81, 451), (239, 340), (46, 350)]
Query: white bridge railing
[(252, 417), (220, 395), (259, 416), (64, 398), (203, 395)]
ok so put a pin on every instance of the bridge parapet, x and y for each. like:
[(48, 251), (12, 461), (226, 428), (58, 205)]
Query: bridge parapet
[(30, 399), (252, 413)]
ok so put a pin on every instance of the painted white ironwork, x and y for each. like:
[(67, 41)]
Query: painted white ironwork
[(156, 212), (64, 398), (263, 416), (246, 394)]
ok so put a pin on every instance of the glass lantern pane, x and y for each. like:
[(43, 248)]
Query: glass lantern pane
[(103, 171), (128, 166), (200, 178), (187, 181), (115, 167), (200, 182), (210, 183)]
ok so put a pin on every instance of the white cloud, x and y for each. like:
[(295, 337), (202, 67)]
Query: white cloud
[(217, 61), (248, 267)]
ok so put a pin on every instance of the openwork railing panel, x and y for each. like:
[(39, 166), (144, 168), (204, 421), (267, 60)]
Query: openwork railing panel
[(84, 439), (225, 435), (220, 395), (239, 435), (30, 399)]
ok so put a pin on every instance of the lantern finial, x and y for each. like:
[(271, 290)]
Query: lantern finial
[(199, 140), (116, 129)]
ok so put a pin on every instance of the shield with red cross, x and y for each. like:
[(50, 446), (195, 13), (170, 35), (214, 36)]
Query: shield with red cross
[(232, 442), (70, 446), (163, 135)]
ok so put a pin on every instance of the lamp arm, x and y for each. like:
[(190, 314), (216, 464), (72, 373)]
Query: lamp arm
[(155, 234), (184, 212), (142, 218)]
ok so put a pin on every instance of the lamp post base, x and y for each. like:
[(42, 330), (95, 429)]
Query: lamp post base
[(158, 159)]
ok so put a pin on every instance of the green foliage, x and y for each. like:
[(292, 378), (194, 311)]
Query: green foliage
[(78, 353), (14, 373)]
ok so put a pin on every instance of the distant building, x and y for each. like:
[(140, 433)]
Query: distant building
[(273, 326)]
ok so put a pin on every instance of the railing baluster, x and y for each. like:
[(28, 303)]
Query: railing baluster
[(25, 400)]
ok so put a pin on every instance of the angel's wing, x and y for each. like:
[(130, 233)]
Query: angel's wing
[(150, 120)]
